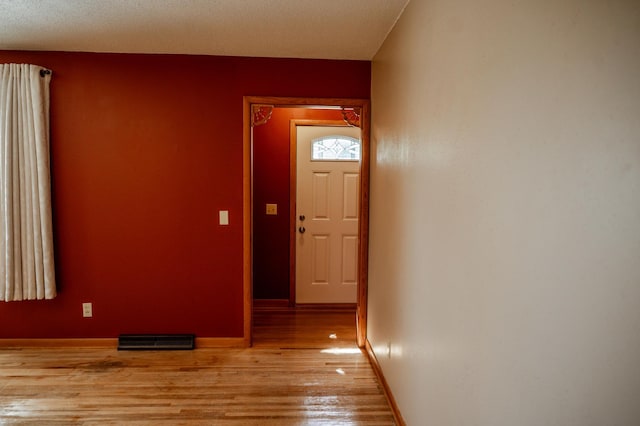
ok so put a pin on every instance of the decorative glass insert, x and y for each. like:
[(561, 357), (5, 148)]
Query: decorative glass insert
[(335, 148)]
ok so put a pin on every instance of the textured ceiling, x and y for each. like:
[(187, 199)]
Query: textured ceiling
[(328, 29)]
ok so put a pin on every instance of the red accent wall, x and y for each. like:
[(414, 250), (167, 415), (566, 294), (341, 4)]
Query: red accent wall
[(145, 150), (271, 146)]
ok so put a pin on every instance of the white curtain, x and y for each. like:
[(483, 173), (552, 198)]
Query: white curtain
[(26, 237)]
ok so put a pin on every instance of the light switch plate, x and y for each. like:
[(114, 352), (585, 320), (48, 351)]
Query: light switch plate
[(272, 209), (224, 217), (87, 310)]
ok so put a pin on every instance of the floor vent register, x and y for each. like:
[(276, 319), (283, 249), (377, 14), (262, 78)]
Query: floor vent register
[(153, 342)]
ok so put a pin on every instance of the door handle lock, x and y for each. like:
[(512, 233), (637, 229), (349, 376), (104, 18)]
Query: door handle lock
[(302, 217), (301, 229)]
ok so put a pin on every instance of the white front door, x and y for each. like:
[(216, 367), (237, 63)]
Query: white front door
[(327, 215)]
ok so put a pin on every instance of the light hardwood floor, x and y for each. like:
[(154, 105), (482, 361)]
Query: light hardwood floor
[(304, 369)]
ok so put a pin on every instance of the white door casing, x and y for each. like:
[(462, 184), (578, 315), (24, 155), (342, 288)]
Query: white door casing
[(327, 196)]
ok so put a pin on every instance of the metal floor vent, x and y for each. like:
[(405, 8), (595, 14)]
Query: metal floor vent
[(151, 342)]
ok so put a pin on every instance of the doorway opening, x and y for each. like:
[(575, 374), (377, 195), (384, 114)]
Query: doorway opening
[(264, 167)]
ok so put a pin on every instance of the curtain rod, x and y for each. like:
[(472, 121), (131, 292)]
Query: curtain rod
[(44, 72)]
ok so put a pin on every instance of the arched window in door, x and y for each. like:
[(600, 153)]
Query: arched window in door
[(335, 148)]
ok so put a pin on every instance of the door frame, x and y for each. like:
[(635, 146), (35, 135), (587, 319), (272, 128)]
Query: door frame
[(247, 186)]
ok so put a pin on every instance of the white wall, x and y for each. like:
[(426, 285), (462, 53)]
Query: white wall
[(505, 212)]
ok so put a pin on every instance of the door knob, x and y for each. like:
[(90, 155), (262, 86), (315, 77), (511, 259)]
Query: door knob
[(301, 229), (302, 217)]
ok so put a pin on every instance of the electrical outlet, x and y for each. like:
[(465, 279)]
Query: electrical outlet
[(87, 310)]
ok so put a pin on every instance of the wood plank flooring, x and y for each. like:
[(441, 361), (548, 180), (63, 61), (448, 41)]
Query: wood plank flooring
[(304, 369)]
